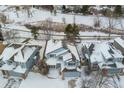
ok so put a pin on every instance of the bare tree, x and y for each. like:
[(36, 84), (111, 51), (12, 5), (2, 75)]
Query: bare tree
[(3, 19), (64, 20), (121, 23), (13, 35), (43, 67), (111, 21), (97, 80), (28, 10), (47, 27), (17, 8), (108, 82), (10, 35), (97, 21)]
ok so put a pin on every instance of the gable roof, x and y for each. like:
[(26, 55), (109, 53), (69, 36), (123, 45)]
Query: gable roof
[(52, 46), (9, 52), (20, 54), (104, 50), (24, 54), (109, 51), (120, 41), (74, 51), (67, 56)]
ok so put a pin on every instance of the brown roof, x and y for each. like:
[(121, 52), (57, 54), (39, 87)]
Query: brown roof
[(2, 47)]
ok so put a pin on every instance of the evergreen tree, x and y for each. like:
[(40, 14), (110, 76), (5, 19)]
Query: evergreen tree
[(71, 32), (84, 9), (118, 10), (34, 30)]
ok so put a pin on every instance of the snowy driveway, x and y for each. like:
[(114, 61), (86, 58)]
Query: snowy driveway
[(36, 80)]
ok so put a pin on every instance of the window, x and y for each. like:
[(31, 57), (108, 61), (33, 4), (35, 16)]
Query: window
[(52, 55), (95, 65), (71, 64), (51, 66), (110, 59), (60, 58), (22, 65)]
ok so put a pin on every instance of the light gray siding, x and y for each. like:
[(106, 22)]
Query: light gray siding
[(72, 74)]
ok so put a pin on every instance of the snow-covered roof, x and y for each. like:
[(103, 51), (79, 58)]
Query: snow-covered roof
[(108, 51), (61, 52), (104, 50), (119, 65), (23, 55), (96, 55), (7, 67), (73, 50), (67, 56), (20, 54), (96, 58), (19, 69), (120, 41), (52, 46), (9, 52), (105, 65)]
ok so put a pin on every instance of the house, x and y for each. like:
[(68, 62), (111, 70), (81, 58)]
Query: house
[(119, 44), (63, 57), (18, 59), (106, 58)]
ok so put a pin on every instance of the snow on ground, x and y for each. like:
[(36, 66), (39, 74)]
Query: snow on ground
[(3, 81), (122, 81), (53, 73), (93, 79), (95, 33), (39, 15), (3, 7), (36, 80), (22, 34)]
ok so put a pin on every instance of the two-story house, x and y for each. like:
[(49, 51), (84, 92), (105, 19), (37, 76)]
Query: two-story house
[(17, 60), (62, 57), (106, 58)]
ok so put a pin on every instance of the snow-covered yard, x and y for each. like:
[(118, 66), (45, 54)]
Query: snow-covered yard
[(39, 15), (96, 80), (3, 81), (53, 80), (122, 81), (36, 80)]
